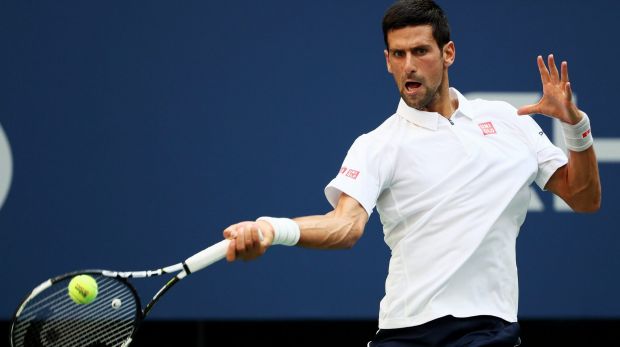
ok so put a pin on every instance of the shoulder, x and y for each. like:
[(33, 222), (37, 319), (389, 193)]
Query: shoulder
[(476, 106), (495, 107), (501, 110), (379, 146), (384, 135), (524, 126)]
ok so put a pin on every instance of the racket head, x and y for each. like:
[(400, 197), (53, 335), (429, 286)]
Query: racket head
[(49, 317)]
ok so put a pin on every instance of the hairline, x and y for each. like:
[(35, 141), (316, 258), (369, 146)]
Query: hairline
[(387, 34)]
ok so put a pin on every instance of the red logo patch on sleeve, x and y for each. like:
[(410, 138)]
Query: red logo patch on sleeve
[(487, 128), (343, 169), (352, 173)]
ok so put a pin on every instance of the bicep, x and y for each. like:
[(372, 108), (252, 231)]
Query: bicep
[(557, 182), (578, 182), (349, 208)]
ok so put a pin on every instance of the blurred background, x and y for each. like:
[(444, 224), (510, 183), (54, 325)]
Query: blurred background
[(132, 133)]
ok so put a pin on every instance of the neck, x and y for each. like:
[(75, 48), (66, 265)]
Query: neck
[(443, 103)]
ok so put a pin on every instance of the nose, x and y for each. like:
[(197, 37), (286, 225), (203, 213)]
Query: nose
[(410, 64)]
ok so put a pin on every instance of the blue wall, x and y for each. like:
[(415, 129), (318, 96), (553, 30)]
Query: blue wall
[(140, 130)]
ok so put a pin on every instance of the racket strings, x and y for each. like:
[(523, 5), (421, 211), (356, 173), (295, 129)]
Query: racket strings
[(61, 329), (66, 311), (105, 322), (43, 303), (53, 319)]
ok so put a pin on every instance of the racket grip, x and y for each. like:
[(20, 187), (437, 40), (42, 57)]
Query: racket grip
[(207, 256)]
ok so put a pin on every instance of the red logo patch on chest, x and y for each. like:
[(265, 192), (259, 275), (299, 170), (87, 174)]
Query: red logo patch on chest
[(487, 128)]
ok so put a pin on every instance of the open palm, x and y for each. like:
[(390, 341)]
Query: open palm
[(557, 100)]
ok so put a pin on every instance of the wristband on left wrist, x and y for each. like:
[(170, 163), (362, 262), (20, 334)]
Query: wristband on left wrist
[(578, 137)]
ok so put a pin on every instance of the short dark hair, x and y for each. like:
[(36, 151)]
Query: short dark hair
[(404, 13)]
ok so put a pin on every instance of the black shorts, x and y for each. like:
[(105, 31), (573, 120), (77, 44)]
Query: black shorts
[(449, 331)]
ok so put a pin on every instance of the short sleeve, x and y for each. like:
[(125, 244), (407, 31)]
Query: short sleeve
[(361, 175), (549, 157)]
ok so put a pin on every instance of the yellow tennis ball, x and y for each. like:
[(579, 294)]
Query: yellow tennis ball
[(83, 289)]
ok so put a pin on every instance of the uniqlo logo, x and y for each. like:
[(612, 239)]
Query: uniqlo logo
[(487, 128), (352, 173), (343, 169)]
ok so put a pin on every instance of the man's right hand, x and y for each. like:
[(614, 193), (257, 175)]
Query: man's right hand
[(245, 240)]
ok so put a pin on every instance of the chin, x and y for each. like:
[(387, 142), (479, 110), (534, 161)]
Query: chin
[(413, 103)]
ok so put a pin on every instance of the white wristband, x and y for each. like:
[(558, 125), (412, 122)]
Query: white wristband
[(578, 137), (286, 231)]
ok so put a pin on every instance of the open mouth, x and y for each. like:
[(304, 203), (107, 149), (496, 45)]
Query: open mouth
[(412, 87)]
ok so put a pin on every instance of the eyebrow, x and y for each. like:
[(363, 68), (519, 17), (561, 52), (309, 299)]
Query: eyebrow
[(424, 45)]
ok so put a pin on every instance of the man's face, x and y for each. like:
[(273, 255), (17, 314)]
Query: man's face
[(418, 65)]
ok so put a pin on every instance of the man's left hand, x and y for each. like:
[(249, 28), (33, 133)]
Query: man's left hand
[(557, 101)]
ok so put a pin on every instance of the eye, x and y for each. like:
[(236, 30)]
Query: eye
[(420, 51), (398, 53)]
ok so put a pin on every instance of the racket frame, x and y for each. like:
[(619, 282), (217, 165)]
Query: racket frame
[(192, 264)]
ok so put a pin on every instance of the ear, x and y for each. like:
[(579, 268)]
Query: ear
[(449, 54), (387, 60)]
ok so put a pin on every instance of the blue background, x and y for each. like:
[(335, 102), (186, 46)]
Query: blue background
[(141, 129)]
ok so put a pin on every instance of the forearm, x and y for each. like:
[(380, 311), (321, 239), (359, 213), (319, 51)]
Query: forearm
[(340, 228), (582, 181), (582, 178), (578, 182), (328, 231)]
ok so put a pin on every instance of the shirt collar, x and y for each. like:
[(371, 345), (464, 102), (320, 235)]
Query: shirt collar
[(430, 120)]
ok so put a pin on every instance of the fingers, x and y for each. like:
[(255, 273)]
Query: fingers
[(555, 76), (231, 233), (255, 236), (245, 241), (569, 92), (564, 69), (556, 101), (231, 253), (552, 74), (544, 73), (527, 110), (240, 240)]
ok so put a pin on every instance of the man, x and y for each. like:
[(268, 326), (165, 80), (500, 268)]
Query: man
[(450, 179)]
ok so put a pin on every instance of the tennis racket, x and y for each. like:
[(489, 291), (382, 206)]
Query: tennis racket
[(49, 317)]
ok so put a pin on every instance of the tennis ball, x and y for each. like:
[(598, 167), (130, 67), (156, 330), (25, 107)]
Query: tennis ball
[(116, 303), (83, 289)]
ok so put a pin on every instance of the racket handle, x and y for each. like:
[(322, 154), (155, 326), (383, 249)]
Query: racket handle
[(207, 256)]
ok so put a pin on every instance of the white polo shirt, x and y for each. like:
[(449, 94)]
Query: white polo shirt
[(452, 195)]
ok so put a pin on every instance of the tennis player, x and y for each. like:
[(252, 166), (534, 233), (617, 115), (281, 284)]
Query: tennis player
[(450, 180)]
